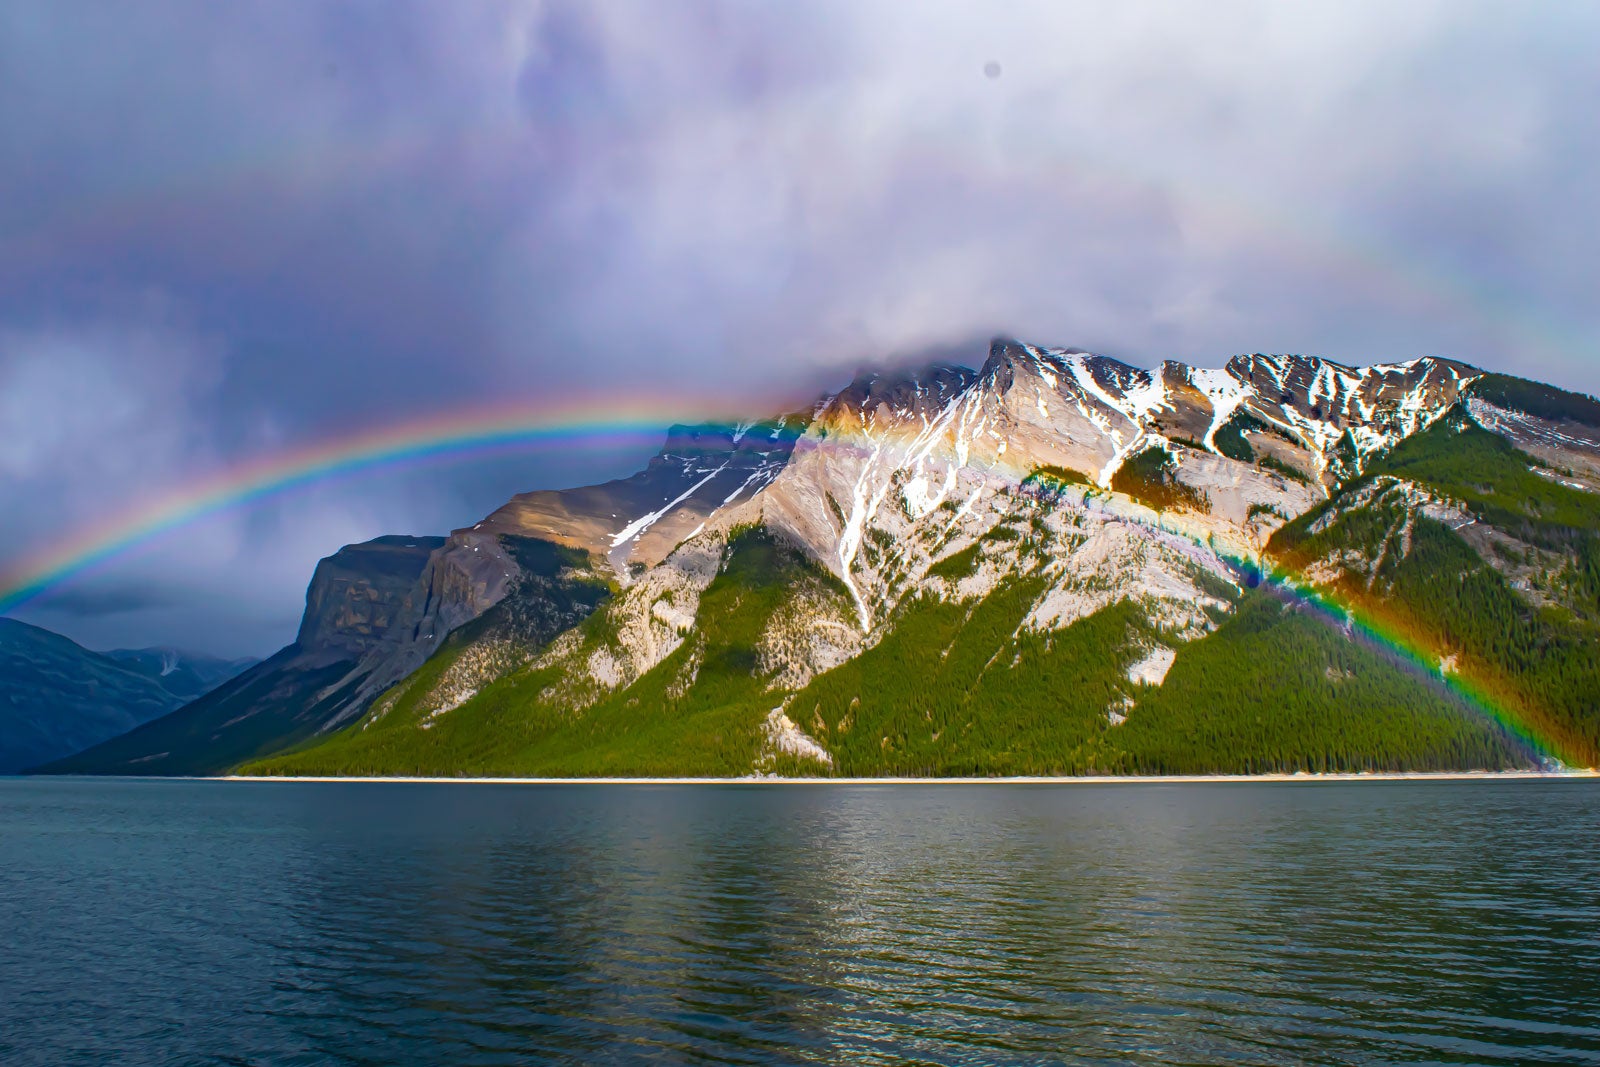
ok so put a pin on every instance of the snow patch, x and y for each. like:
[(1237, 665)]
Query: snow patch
[(919, 497), (1153, 668), (644, 522), (1225, 392), (862, 507), (784, 738)]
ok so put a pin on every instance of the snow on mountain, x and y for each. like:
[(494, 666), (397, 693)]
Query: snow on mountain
[(898, 469), (892, 480)]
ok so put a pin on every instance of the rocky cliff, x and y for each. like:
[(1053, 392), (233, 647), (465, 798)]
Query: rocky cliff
[(352, 601)]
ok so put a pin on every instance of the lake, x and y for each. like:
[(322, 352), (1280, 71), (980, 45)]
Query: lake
[(186, 922)]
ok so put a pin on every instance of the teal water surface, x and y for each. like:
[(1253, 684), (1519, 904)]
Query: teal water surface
[(172, 922)]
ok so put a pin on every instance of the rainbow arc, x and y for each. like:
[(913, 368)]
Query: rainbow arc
[(479, 432)]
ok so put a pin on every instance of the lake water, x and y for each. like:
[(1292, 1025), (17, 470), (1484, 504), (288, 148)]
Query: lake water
[(259, 923)]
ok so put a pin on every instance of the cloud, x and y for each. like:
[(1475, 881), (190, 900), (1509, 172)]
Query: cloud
[(355, 213), (109, 600), (91, 409), (1158, 179)]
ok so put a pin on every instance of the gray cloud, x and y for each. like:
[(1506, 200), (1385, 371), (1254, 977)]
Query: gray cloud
[(106, 600), (232, 229)]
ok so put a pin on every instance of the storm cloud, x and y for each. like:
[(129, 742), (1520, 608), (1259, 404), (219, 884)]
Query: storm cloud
[(232, 229)]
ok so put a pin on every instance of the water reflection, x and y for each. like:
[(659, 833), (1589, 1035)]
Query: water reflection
[(262, 923)]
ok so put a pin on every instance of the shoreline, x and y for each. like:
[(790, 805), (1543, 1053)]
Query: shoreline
[(1104, 779)]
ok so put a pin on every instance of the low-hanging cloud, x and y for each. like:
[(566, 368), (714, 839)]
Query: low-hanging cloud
[(356, 213)]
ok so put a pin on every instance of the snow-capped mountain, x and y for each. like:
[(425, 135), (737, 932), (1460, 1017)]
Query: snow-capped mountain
[(929, 429), (1050, 502)]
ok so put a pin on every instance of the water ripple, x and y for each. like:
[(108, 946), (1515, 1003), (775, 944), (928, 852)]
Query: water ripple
[(209, 923)]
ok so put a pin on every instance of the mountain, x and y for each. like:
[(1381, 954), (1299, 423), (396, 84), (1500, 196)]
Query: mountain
[(185, 675), (1057, 563), (353, 600), (57, 697)]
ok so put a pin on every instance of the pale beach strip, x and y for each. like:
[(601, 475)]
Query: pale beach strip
[(1099, 779)]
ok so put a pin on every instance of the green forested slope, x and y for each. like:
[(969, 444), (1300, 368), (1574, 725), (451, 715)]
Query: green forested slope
[(1499, 484), (1534, 653), (1278, 689), (1536, 398), (952, 689), (1272, 690)]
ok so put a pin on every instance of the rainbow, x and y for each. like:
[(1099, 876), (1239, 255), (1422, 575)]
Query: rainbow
[(476, 432), (1362, 623), (642, 424), (1491, 697)]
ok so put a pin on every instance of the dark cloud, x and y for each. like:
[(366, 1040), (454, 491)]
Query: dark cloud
[(106, 599), (229, 229)]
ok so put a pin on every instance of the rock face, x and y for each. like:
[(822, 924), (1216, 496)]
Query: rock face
[(357, 594), (352, 601), (630, 524), (638, 520), (882, 456)]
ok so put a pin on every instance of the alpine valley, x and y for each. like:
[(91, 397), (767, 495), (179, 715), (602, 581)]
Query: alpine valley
[(1056, 564)]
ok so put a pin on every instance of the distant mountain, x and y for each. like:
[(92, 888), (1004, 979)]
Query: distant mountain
[(1052, 564), (57, 697), (186, 675), (354, 600)]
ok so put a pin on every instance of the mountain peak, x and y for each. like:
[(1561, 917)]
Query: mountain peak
[(903, 387)]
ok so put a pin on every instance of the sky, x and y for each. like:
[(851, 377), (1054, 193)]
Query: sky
[(229, 231)]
